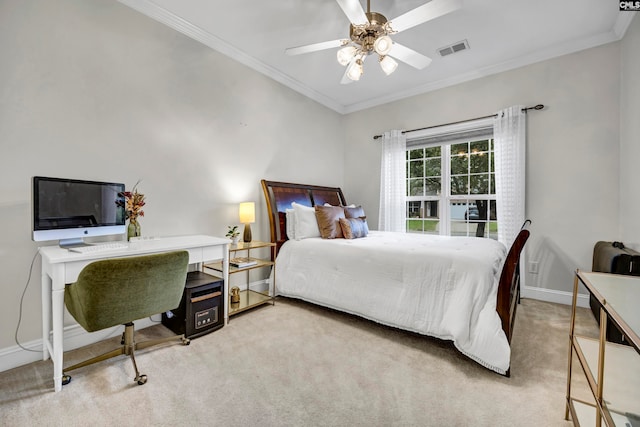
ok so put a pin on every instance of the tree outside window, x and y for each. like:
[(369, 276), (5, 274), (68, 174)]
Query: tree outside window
[(451, 189)]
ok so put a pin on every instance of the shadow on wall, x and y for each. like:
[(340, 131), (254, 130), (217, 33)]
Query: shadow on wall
[(555, 268)]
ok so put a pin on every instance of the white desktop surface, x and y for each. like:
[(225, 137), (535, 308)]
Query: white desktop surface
[(61, 266)]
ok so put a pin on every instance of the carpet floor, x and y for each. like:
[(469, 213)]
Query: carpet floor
[(297, 364)]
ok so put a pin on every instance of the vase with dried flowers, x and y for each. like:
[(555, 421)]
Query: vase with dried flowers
[(133, 203)]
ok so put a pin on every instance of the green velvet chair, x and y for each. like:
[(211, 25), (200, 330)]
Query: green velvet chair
[(118, 291)]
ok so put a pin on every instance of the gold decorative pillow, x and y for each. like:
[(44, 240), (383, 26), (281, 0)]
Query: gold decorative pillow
[(353, 228), (354, 212), (328, 217)]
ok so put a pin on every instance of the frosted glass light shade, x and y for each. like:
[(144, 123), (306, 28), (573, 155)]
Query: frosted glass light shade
[(247, 212), (383, 45), (354, 72), (346, 54), (388, 64)]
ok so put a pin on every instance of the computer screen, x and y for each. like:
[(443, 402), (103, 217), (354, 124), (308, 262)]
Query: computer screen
[(70, 209)]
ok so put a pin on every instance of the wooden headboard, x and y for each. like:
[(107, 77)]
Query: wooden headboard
[(280, 195)]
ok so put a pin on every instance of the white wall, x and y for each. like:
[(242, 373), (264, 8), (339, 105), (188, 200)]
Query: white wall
[(572, 153), (95, 90), (630, 137)]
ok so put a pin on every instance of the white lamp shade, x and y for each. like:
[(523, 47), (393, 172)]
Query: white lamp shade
[(346, 54), (247, 212), (388, 64), (383, 45), (354, 72)]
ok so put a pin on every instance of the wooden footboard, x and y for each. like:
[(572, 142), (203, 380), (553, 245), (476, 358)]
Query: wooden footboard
[(280, 195), (509, 285)]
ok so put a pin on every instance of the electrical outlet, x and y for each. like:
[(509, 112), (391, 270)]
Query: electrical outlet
[(533, 267)]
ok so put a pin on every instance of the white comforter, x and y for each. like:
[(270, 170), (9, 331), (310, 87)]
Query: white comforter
[(440, 286)]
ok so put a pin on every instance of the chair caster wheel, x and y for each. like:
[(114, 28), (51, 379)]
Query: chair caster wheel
[(141, 379), (66, 379)]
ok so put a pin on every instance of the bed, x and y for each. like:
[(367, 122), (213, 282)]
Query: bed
[(463, 289)]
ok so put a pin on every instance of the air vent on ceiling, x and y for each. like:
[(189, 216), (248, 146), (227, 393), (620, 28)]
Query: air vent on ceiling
[(454, 48)]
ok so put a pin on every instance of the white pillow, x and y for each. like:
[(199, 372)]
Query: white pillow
[(290, 216), (306, 222)]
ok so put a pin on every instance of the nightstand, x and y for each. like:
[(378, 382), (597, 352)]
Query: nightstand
[(242, 253)]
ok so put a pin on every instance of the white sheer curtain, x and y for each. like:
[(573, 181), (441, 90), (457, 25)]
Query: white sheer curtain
[(393, 177), (509, 134)]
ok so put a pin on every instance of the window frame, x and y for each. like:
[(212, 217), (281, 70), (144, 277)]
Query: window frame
[(445, 137)]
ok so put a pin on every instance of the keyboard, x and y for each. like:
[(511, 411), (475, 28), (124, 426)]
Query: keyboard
[(100, 247)]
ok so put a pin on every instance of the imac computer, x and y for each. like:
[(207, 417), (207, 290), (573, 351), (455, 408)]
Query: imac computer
[(68, 210)]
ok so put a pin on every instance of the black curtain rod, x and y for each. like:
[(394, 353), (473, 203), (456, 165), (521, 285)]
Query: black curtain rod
[(535, 107)]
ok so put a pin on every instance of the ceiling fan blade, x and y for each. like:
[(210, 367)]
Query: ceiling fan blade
[(354, 11), (315, 47), (409, 56), (424, 13)]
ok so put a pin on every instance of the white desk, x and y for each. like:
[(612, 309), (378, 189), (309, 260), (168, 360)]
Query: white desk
[(60, 266)]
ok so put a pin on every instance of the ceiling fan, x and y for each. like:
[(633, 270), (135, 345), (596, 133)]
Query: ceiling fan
[(369, 33)]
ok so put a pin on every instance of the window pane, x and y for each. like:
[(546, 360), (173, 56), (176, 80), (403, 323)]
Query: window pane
[(432, 152), (459, 164), (431, 209), (433, 186), (460, 148), (416, 169), (492, 178), (416, 154), (479, 184), (423, 226), (433, 167), (479, 163), (458, 210), (459, 185), (431, 227), (478, 146), (414, 225), (413, 209), (458, 224), (416, 187)]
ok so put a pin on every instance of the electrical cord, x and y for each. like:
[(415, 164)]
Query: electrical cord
[(21, 302)]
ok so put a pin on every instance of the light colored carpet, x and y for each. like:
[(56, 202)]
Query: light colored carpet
[(296, 364)]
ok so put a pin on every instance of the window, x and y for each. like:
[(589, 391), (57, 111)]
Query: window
[(451, 184)]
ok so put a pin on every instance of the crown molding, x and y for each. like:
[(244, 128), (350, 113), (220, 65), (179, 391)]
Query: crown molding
[(165, 17), (622, 23), (539, 56), (171, 20)]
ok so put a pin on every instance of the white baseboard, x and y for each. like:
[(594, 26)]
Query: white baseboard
[(74, 337), (550, 295)]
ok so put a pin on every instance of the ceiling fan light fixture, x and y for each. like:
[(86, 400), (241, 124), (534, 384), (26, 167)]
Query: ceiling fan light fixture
[(346, 54), (383, 45), (355, 70), (388, 64)]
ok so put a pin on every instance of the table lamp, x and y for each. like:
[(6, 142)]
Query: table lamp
[(247, 216)]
